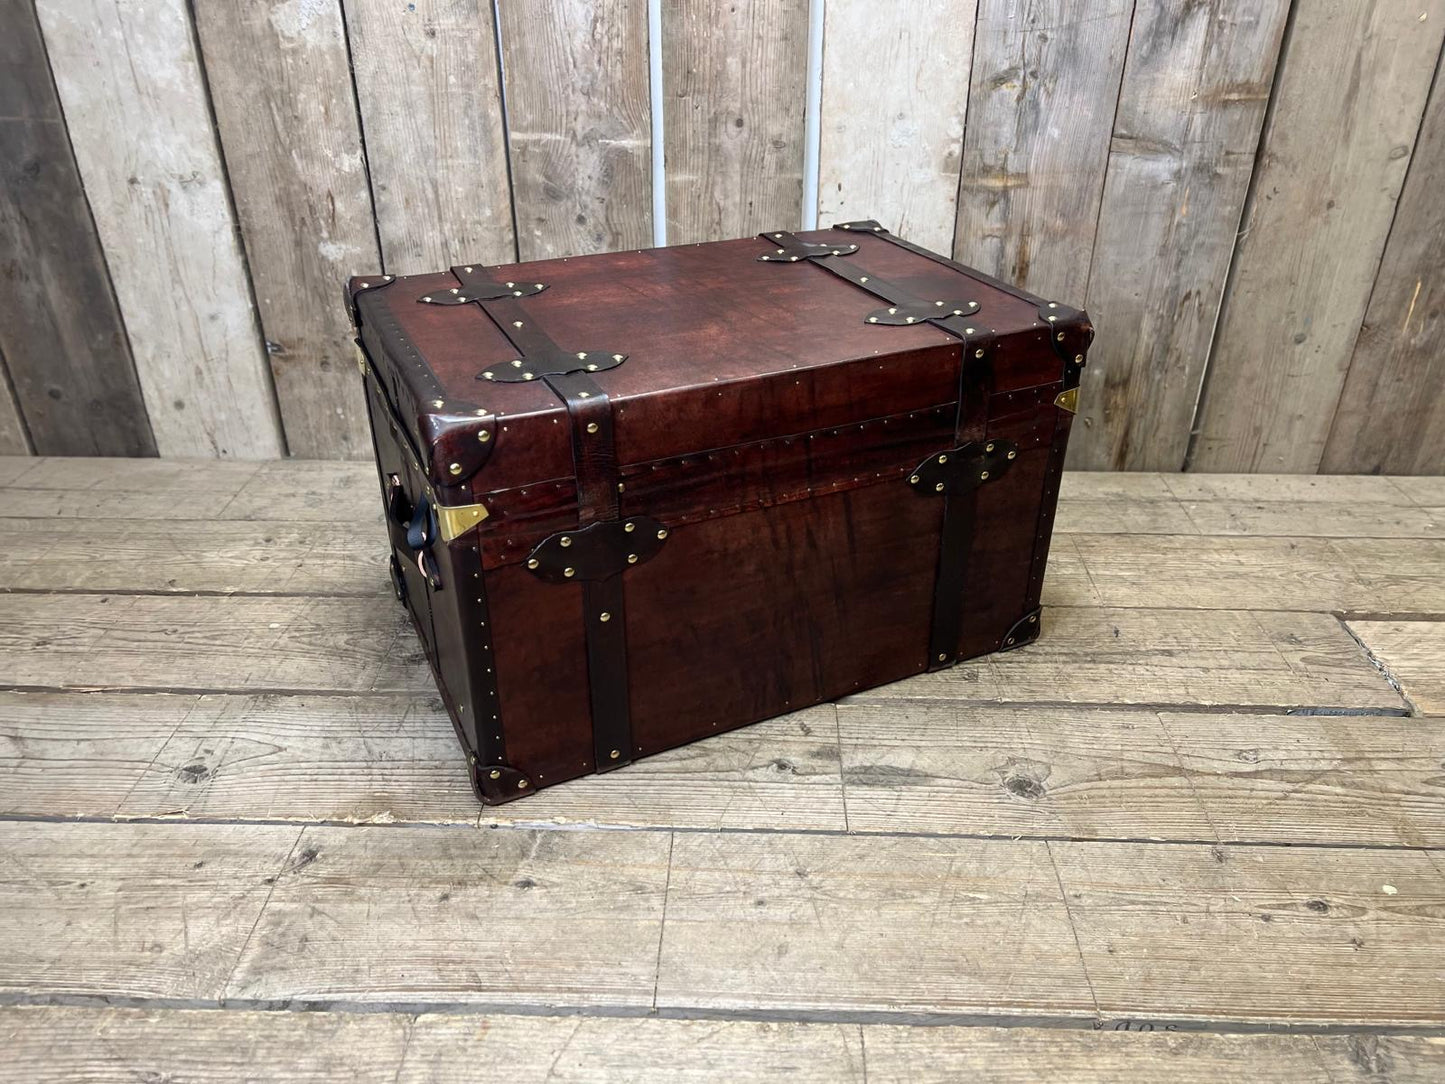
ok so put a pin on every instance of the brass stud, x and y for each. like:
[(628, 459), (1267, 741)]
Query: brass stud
[(988, 447), (494, 774), (1011, 455), (569, 572), (913, 479), (591, 427), (1078, 359), (941, 656), (938, 488), (1060, 336), (516, 323), (485, 435), (983, 476), (662, 533), (1033, 618), (532, 562), (566, 541), (539, 285), (617, 357), (1010, 641), (872, 319), (521, 784), (426, 299), (1052, 319), (629, 527), (438, 403), (488, 375), (615, 754), (604, 616), (892, 312), (632, 558), (526, 376), (455, 468), (516, 363), (591, 368), (978, 353), (1053, 304), (510, 285), (943, 459), (621, 486)]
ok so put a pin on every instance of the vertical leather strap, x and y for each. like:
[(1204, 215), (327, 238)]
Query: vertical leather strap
[(594, 459), (975, 385)]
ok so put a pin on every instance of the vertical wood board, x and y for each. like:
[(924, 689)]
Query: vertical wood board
[(61, 334), (14, 441), (1044, 85), (281, 85), (136, 105), (1196, 82), (895, 92), (1351, 90), (1391, 414), (579, 125), (431, 114), (733, 76)]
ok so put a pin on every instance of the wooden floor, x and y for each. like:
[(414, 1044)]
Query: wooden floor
[(1199, 829)]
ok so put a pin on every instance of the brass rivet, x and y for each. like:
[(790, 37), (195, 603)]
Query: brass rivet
[(591, 427), (968, 331), (615, 754), (581, 355), (1060, 336), (938, 488), (569, 572), (438, 403), (941, 656), (1012, 454), (591, 368), (532, 562), (1078, 359), (481, 412), (510, 285), (495, 774), (566, 541), (629, 527), (1052, 319), (621, 486), (526, 376), (455, 468), (1032, 618), (516, 363), (521, 784), (617, 357), (943, 459), (632, 558), (913, 479), (662, 533), (539, 285), (988, 447), (426, 299), (872, 319), (983, 476), (978, 353), (1010, 639), (604, 616), (1053, 304), (485, 435)]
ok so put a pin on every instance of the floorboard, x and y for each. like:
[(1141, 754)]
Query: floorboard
[(48, 1045)]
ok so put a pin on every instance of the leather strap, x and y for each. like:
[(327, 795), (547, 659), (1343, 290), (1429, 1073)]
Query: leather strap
[(594, 458)]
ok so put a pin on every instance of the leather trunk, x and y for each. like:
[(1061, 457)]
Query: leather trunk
[(640, 498)]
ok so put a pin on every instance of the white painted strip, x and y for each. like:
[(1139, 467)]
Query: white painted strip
[(659, 166), (812, 114)]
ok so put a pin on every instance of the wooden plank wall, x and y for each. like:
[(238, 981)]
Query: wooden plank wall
[(1242, 192)]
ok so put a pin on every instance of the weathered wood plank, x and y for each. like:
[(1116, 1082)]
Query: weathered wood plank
[(1191, 106), (1185, 932), (300, 189), (1427, 492), (1395, 376), (396, 759), (14, 440), (55, 1045), (131, 910), (895, 91), (550, 918), (164, 218), (83, 1045), (733, 74), (579, 125), (1199, 658), (1413, 652), (431, 113), (312, 491), (1042, 93), (1310, 249), (1282, 660), (242, 644), (1355, 575), (272, 558), (61, 336), (1028, 772)]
